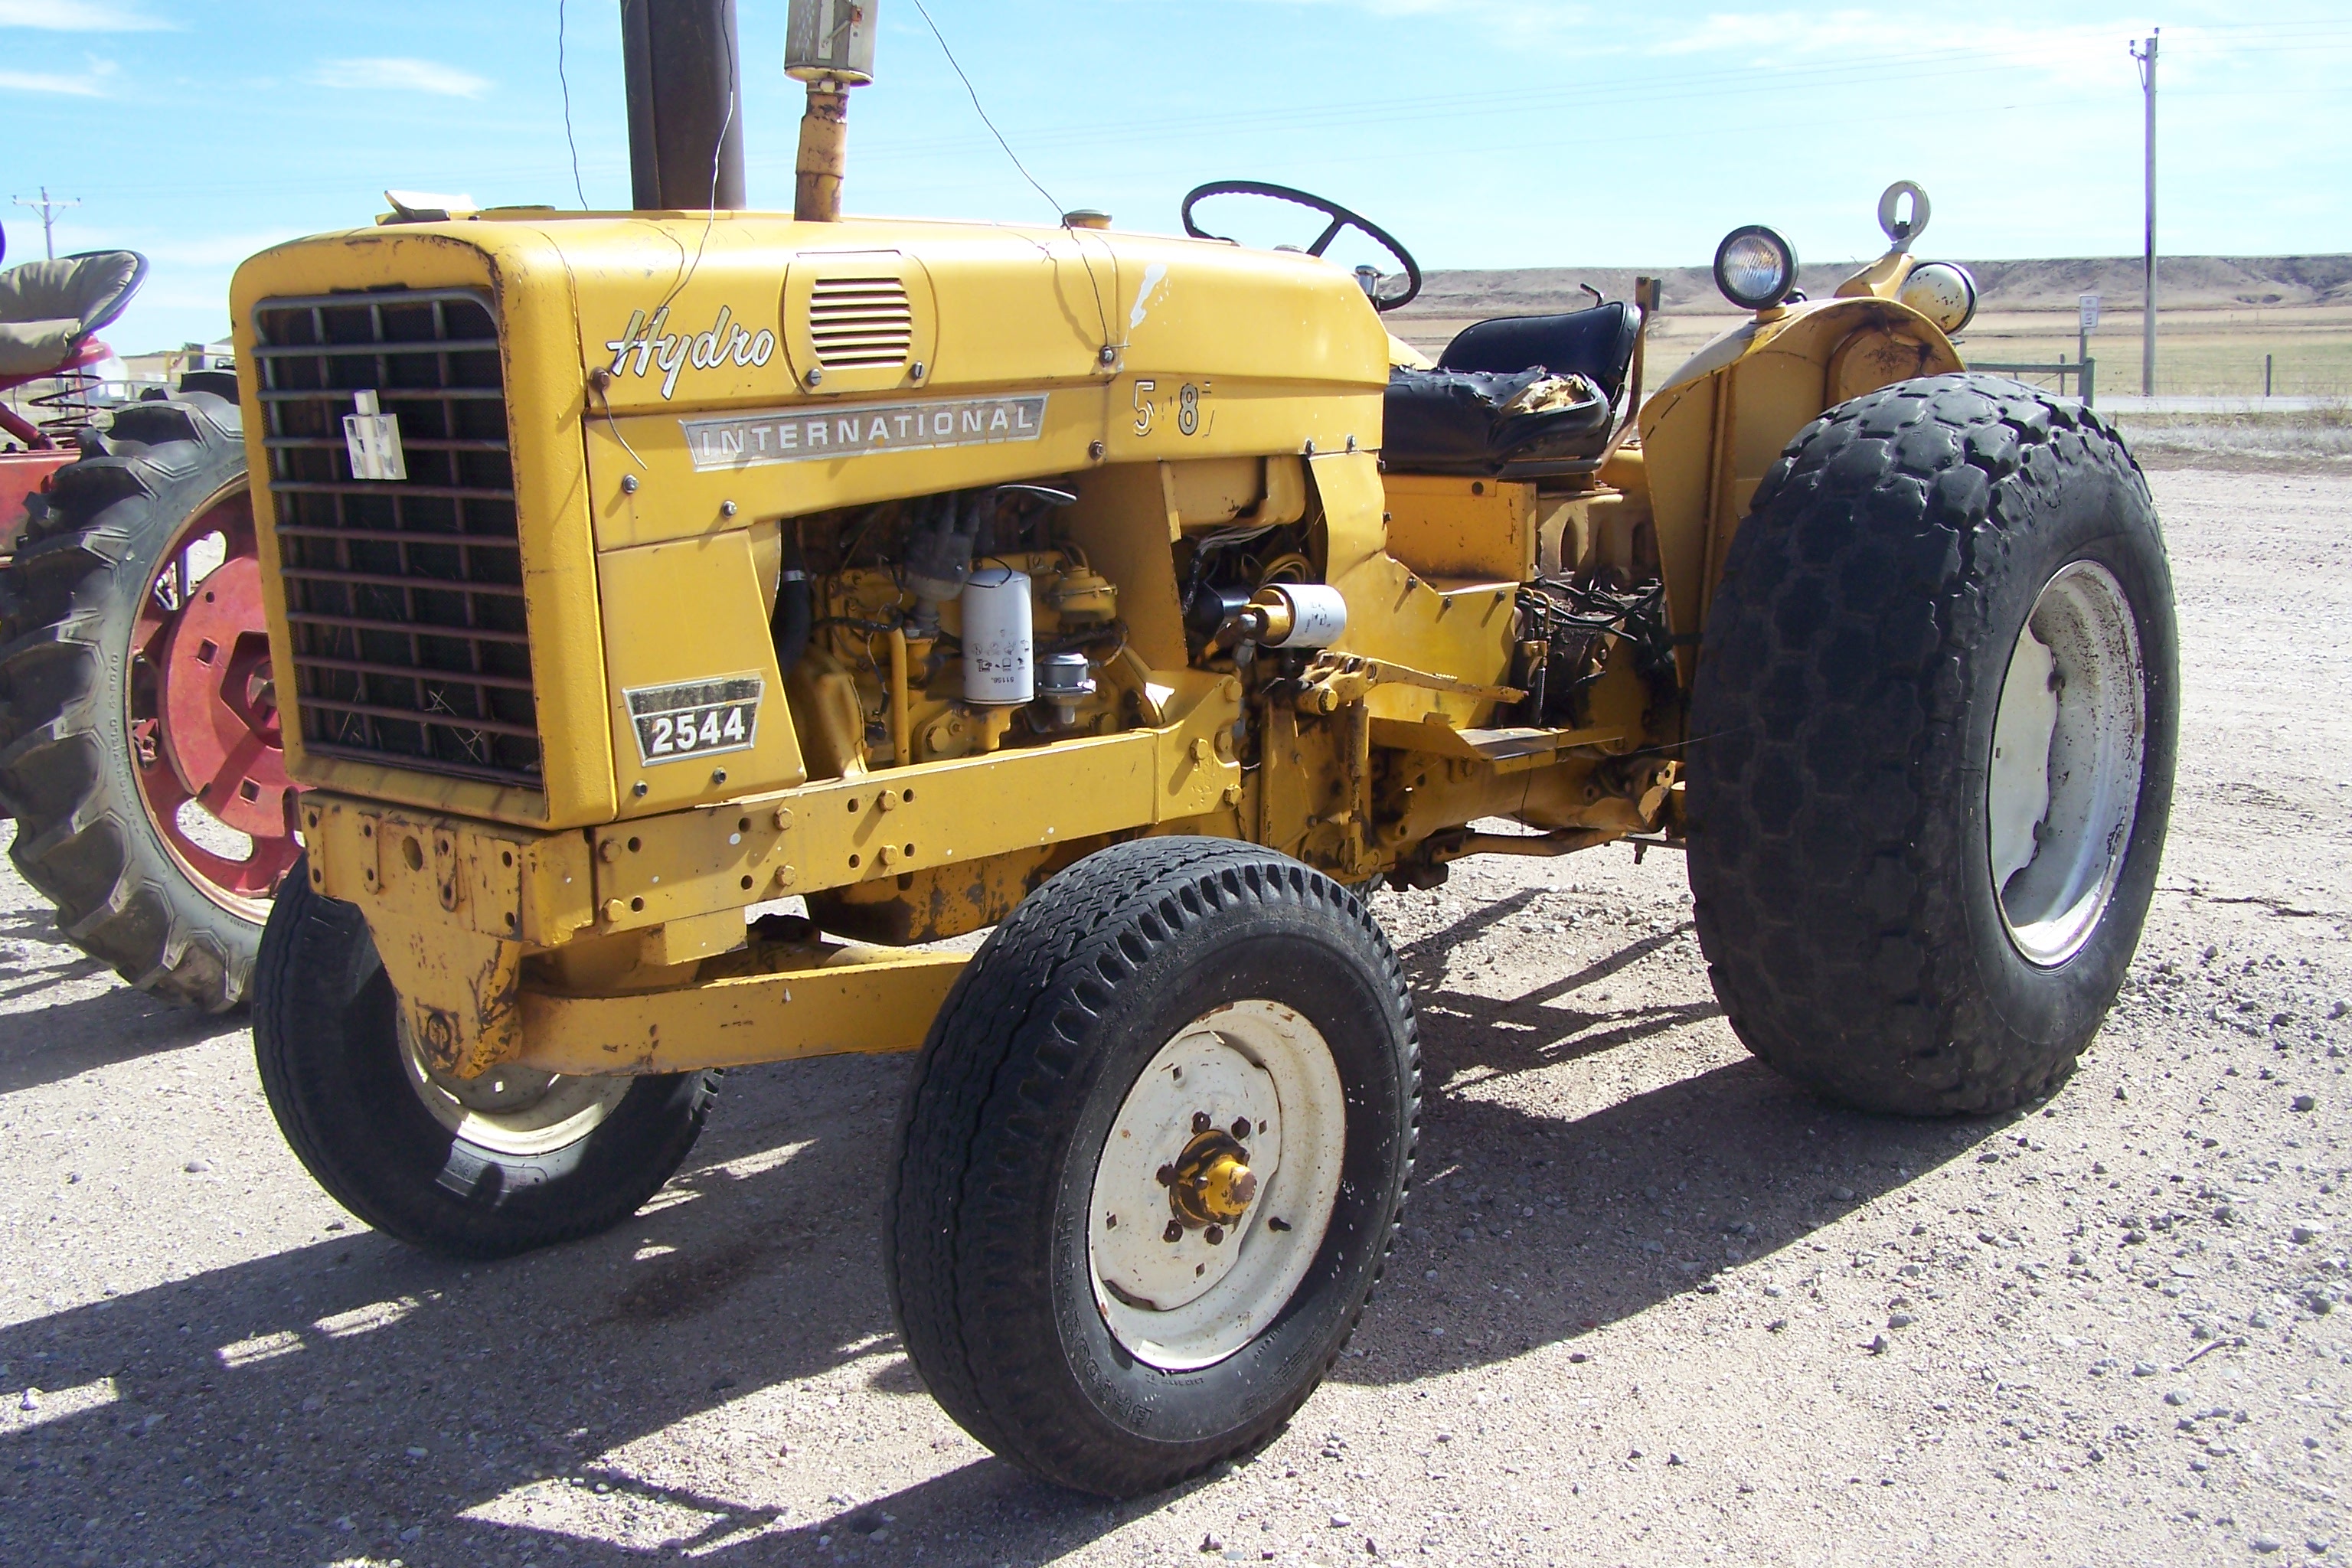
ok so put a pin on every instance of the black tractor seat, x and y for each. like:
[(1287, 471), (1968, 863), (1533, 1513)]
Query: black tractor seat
[(1597, 344), (1515, 397)]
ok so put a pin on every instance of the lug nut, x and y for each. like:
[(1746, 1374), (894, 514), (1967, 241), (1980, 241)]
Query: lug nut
[(1166, 1175), (1241, 1129), (1200, 1122), (1214, 1234), (1174, 1232)]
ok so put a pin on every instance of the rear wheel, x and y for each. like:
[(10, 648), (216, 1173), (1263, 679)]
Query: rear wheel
[(139, 739), (1154, 1153), (1936, 711), (482, 1168)]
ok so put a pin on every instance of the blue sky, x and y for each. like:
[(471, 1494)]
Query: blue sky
[(1483, 132)]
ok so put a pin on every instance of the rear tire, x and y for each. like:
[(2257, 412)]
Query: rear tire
[(391, 1147), (1028, 1310), (1891, 915), (70, 763)]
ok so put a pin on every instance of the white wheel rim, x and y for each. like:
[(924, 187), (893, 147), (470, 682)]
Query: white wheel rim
[(2063, 788), (1192, 1302), (510, 1109)]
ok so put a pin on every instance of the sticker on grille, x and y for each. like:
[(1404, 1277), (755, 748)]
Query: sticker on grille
[(404, 597), (860, 323)]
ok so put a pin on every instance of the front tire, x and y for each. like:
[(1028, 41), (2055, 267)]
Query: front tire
[(489, 1168), (1154, 1153), (1932, 737)]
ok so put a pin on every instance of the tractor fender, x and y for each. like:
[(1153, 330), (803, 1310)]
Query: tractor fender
[(1717, 423)]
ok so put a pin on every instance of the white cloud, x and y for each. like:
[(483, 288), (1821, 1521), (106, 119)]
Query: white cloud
[(45, 81), (79, 16), (397, 75)]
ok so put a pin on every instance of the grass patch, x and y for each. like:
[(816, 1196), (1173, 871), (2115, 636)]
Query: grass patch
[(2324, 432)]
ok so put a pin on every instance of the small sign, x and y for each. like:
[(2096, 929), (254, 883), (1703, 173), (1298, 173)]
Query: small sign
[(2090, 303), (695, 717), (822, 434), (373, 439)]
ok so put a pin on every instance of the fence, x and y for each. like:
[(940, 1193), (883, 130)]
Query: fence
[(2085, 372)]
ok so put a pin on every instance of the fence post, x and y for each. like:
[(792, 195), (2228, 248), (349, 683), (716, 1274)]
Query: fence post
[(2266, 375), (2089, 377)]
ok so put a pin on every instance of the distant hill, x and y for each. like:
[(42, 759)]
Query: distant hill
[(2184, 283)]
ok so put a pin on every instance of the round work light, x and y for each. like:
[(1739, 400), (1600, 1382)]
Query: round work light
[(1755, 267), (1943, 291)]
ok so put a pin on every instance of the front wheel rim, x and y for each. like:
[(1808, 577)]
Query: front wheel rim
[(517, 1111), (2068, 748), (1182, 1282)]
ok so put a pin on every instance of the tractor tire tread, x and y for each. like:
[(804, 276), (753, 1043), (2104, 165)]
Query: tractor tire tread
[(1826, 803), (78, 845), (1110, 915)]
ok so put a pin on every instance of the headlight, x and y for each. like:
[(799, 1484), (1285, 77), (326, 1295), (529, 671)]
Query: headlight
[(1755, 267), (1943, 292)]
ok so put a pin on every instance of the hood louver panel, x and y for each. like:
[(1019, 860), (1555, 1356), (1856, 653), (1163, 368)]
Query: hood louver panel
[(860, 324)]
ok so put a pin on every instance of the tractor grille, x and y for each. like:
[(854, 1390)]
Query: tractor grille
[(405, 597), (860, 323)]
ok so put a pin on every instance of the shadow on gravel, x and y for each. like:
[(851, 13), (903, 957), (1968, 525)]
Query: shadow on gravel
[(42, 1044), (258, 1407)]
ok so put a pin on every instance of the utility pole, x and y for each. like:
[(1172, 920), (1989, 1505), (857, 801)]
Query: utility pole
[(2147, 61), (48, 211)]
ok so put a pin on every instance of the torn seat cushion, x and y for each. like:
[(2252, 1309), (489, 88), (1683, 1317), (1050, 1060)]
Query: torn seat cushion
[(48, 308), (1596, 343), (1493, 424)]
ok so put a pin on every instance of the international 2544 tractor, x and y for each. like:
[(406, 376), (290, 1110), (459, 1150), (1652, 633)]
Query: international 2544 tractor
[(1143, 599)]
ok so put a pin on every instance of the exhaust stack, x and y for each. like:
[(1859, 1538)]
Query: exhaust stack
[(685, 104), (829, 44)]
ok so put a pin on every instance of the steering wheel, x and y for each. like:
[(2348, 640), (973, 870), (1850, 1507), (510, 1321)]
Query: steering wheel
[(1342, 221)]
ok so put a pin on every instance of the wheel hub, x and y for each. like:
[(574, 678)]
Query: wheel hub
[(1210, 1184)]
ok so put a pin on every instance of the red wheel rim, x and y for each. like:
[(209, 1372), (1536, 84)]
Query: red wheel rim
[(203, 712)]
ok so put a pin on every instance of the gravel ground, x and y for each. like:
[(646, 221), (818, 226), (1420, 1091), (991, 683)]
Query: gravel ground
[(1655, 1305)]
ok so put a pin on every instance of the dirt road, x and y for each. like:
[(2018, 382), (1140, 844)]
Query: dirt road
[(1655, 1305)]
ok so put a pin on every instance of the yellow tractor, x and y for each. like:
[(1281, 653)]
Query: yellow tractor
[(1143, 599)]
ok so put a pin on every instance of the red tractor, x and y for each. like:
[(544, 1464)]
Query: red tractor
[(139, 743)]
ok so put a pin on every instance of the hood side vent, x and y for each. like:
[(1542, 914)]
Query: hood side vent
[(861, 324)]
